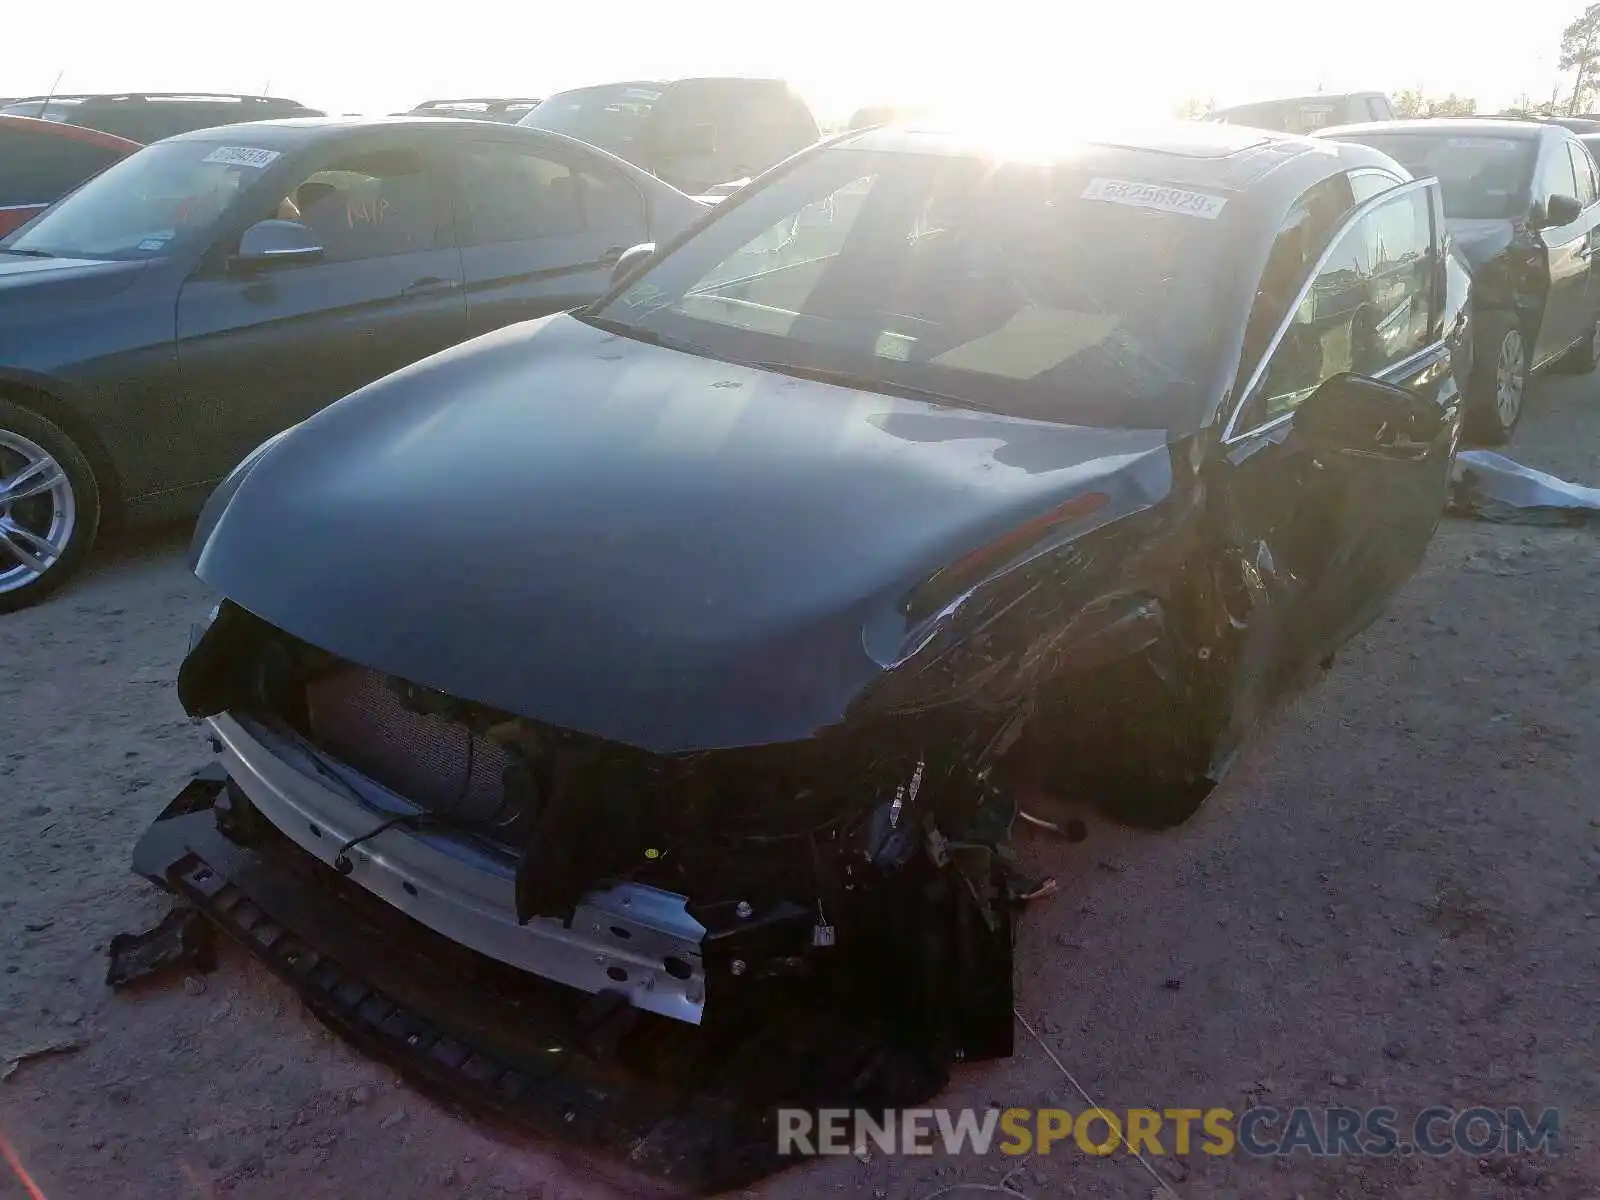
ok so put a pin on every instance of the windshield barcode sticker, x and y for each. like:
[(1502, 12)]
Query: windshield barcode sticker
[(1155, 196), (241, 156)]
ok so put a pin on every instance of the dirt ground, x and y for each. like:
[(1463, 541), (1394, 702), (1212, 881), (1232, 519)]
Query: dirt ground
[(1395, 899)]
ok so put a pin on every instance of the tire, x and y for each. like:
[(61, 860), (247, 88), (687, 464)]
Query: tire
[(47, 532), (1582, 358), (1498, 386)]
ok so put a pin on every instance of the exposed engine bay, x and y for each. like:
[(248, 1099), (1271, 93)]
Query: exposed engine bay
[(688, 883)]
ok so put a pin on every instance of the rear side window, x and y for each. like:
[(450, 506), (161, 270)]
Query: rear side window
[(1583, 173), (510, 195), (40, 168)]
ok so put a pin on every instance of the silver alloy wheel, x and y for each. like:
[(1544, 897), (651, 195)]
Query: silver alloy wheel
[(1510, 376), (38, 511)]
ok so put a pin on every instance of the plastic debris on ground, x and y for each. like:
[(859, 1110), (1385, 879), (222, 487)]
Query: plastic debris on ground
[(183, 938), (1491, 487)]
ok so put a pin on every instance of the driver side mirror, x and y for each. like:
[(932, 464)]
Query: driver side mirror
[(1555, 212), (1358, 413), (631, 261), (276, 243)]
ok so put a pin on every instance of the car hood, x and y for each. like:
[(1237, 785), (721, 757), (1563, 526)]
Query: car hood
[(21, 273), (1479, 240), (651, 547)]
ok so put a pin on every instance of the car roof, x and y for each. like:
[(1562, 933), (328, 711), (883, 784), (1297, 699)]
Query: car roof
[(162, 97), (1460, 126), (688, 82), (293, 134), (1231, 157), (615, 85), (72, 133), (287, 132), (488, 104), (1319, 97)]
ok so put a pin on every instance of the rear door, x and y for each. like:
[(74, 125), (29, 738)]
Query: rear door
[(540, 227), (1568, 248), (38, 167), (1585, 293), (1314, 546), (261, 351)]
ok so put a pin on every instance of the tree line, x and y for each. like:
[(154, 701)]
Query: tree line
[(1579, 62)]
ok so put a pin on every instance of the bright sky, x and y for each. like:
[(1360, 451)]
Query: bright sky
[(1097, 58)]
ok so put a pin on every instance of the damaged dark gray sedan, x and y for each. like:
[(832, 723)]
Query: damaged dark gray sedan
[(674, 650)]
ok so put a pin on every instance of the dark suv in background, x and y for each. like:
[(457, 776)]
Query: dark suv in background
[(696, 134), (150, 116), (41, 161), (1307, 114), (1522, 199)]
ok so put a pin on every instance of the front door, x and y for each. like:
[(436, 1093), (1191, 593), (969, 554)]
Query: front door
[(540, 228), (1312, 544), (261, 351)]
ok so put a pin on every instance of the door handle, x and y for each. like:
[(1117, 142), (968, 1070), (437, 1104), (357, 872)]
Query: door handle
[(430, 283)]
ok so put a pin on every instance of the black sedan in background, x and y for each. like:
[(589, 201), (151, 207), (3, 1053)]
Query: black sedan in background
[(679, 646), (221, 285), (1522, 199)]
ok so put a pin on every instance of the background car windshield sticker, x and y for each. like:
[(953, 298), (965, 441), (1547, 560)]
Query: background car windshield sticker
[(1155, 196), (241, 156), (643, 295), (155, 241)]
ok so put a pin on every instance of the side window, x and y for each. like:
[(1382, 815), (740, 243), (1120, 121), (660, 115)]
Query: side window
[(368, 206), (1367, 183), (1403, 296), (1369, 306), (1556, 177), (1302, 237), (610, 202), (1583, 172), (511, 195), (41, 168), (1590, 149)]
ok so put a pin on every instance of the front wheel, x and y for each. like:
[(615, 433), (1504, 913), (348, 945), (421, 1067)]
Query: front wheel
[(49, 506), (1499, 379)]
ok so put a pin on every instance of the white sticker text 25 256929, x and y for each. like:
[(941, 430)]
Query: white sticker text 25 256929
[(241, 156), (1157, 196)]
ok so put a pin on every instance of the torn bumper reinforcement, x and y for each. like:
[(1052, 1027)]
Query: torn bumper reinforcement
[(675, 1102), (632, 939)]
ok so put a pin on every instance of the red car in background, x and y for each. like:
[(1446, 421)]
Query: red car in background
[(41, 161)]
